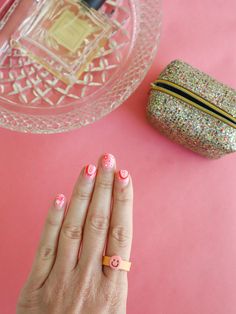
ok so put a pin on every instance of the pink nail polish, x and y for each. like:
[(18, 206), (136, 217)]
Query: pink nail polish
[(60, 201), (90, 171), (108, 161), (123, 176)]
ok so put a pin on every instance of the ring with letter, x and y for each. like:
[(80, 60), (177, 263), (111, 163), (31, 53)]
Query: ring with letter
[(116, 263)]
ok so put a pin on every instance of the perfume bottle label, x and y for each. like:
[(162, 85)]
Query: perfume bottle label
[(69, 31), (6, 10)]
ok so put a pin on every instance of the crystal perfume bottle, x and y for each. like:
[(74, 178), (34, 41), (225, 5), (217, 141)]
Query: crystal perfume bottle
[(63, 35)]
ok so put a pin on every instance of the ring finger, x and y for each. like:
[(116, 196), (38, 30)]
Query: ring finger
[(121, 226)]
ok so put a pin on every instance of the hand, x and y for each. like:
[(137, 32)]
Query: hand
[(67, 276)]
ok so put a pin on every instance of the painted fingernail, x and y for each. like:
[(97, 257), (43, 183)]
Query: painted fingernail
[(90, 171), (123, 176), (108, 161), (60, 201)]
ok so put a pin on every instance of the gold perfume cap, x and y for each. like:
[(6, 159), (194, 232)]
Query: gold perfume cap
[(95, 4)]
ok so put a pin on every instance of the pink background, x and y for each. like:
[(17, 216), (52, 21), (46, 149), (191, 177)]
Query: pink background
[(184, 251)]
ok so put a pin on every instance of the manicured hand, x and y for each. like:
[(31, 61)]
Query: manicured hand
[(67, 276)]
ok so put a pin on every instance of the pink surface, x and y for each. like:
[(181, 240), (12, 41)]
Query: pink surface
[(184, 251)]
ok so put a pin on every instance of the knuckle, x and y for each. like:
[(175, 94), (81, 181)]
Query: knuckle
[(72, 232), (46, 252), (98, 223), (105, 184), (112, 293), (88, 291), (113, 299), (51, 222), (81, 194), (121, 235), (28, 299), (55, 289), (123, 197), (26, 304)]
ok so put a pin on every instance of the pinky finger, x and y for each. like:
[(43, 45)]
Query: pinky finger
[(47, 248)]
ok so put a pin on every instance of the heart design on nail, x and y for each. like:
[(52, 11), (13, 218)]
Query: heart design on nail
[(91, 171), (123, 174)]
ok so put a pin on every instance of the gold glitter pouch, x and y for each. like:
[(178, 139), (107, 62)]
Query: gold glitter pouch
[(194, 110)]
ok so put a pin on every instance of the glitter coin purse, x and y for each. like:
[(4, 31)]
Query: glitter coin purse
[(194, 110)]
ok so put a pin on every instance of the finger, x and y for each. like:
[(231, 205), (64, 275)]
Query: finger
[(72, 228), (47, 249), (121, 226), (98, 217)]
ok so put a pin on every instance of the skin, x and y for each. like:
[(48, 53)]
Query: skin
[(62, 280)]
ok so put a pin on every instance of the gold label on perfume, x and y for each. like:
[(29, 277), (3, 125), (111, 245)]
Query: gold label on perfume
[(69, 31)]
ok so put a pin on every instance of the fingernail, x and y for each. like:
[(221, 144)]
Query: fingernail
[(90, 171), (123, 176), (60, 201), (108, 161)]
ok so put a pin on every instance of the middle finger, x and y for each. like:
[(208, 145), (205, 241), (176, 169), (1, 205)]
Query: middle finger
[(98, 217)]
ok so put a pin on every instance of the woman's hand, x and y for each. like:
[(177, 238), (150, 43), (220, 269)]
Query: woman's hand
[(67, 275)]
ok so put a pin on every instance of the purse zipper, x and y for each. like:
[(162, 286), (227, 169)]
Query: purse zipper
[(195, 100)]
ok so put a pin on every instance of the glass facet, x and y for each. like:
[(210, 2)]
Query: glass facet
[(34, 100), (6, 10)]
